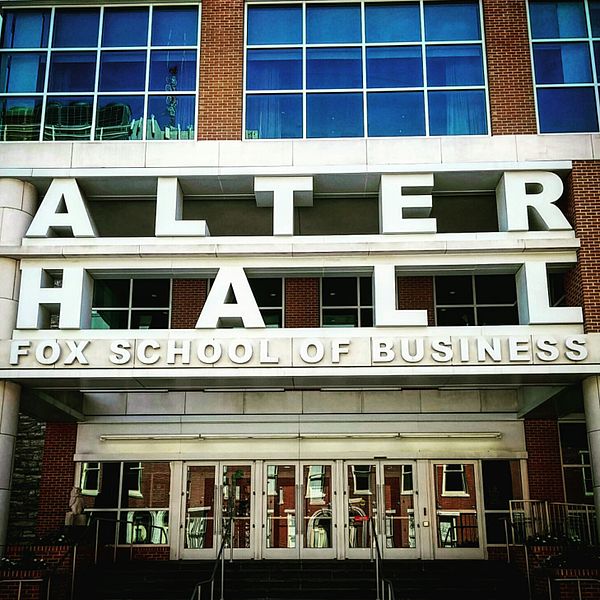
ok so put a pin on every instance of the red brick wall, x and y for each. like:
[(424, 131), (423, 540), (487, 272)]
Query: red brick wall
[(509, 67), (544, 463), (416, 293), (582, 206), (58, 476), (302, 302), (189, 296), (221, 66)]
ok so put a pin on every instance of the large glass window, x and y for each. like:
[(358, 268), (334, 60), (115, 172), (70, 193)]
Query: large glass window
[(565, 38), (577, 468), (131, 304), (318, 70), (102, 73), (129, 499), (346, 302), (476, 300)]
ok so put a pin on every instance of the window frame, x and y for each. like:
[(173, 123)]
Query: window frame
[(594, 84), (423, 44), (359, 307), (130, 308), (585, 468), (465, 486), (45, 95)]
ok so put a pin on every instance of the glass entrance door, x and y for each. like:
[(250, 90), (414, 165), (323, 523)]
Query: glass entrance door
[(216, 494), (298, 514), (457, 510)]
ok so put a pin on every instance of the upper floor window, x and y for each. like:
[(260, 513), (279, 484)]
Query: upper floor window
[(101, 73), (577, 469), (476, 300), (565, 38), (346, 302), (317, 70)]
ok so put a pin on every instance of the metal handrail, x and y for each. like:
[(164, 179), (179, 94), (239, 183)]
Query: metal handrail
[(383, 584), (552, 580), (219, 561)]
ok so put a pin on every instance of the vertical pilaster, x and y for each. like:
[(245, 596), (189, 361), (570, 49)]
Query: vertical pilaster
[(591, 401), (17, 205)]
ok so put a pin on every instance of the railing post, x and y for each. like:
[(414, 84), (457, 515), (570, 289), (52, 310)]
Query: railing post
[(223, 574), (507, 542), (73, 568), (96, 542)]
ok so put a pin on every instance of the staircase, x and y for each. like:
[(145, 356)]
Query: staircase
[(304, 580)]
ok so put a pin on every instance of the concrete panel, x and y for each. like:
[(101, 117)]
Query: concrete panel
[(214, 403), (250, 154), (488, 149), (155, 403), (338, 152), (30, 199), (455, 401), (9, 410), (182, 154), (272, 402), (8, 310), (499, 400), (331, 402), (554, 147), (7, 445), (109, 154), (8, 276), (11, 193), (41, 155), (401, 401), (110, 403), (404, 152), (13, 225)]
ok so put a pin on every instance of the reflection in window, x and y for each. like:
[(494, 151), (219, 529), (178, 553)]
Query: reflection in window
[(454, 481), (563, 48), (346, 302), (136, 100), (343, 43)]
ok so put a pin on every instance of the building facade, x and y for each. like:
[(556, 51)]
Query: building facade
[(302, 264)]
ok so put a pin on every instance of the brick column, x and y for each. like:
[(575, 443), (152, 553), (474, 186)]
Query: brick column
[(221, 70), (582, 205), (17, 205), (416, 293), (302, 302), (591, 400), (510, 77), (189, 296), (543, 460), (58, 476)]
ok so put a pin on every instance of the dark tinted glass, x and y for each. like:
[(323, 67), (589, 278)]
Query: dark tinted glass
[(395, 66), (267, 292), (334, 115), (567, 110), (339, 291), (562, 63), (329, 68), (119, 118), (274, 116), (22, 72), (393, 22), (454, 65), (125, 27), (366, 291), (72, 72), (366, 317), (454, 289), (579, 485), (495, 527), (396, 113), (274, 69), (341, 317), (495, 289), (20, 119), (173, 70), (68, 118), (25, 29), (448, 317), (457, 113), (272, 318), (151, 292), (109, 319), (333, 23), (175, 26), (498, 315), (556, 289), (497, 484), (448, 21), (595, 17), (111, 293), (274, 25), (149, 319), (122, 71), (573, 442), (565, 19), (76, 27), (171, 117)]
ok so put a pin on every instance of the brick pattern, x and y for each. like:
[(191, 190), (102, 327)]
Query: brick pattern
[(510, 77), (189, 296), (544, 462), (221, 70), (582, 207), (150, 553), (26, 590), (58, 476), (416, 293), (302, 302)]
